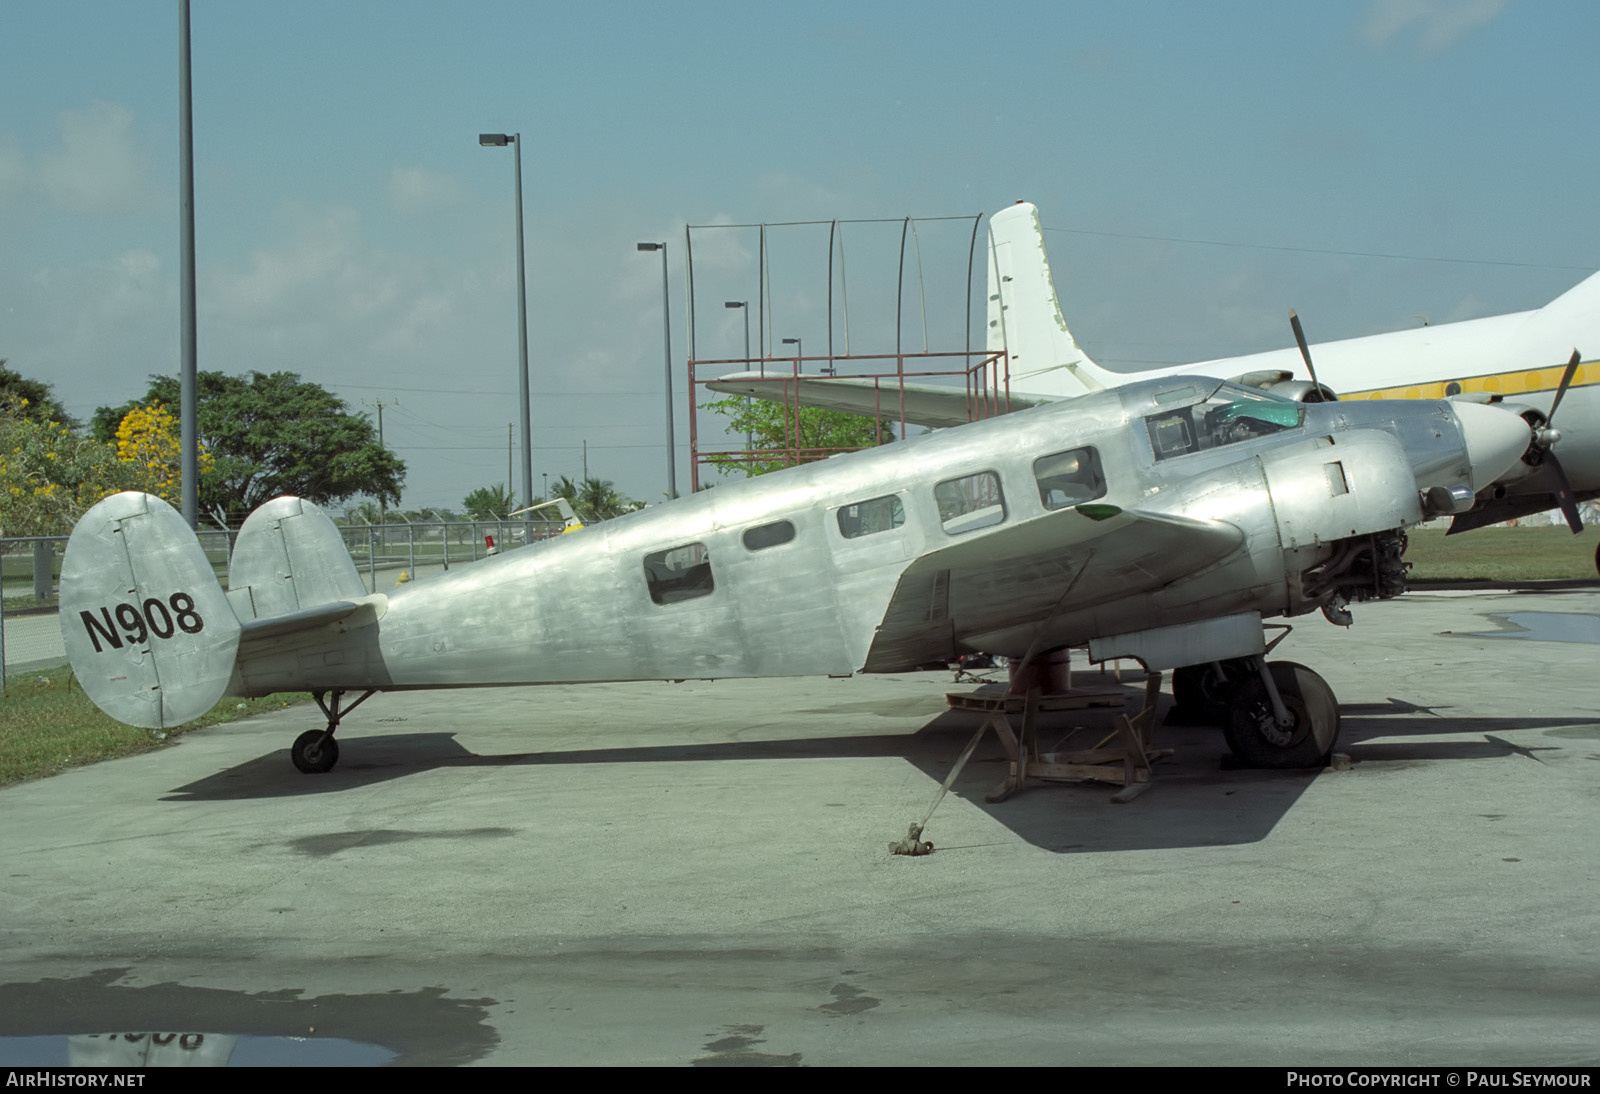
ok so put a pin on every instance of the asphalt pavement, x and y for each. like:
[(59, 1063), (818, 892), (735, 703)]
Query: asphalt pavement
[(699, 874)]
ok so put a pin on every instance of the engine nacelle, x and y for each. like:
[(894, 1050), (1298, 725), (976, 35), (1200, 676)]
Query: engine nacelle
[(1284, 385)]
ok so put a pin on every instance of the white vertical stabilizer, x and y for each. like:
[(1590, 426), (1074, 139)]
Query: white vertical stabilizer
[(1024, 315)]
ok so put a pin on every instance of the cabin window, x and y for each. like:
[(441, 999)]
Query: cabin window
[(865, 518), (1069, 478), (970, 502), (763, 536), (680, 573)]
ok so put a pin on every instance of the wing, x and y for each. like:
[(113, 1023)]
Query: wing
[(925, 404), (1026, 573)]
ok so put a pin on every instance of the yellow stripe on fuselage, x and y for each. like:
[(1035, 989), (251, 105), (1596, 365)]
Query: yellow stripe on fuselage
[(1499, 383)]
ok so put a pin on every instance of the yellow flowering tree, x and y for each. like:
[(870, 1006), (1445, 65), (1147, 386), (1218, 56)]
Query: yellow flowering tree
[(50, 475), (148, 439)]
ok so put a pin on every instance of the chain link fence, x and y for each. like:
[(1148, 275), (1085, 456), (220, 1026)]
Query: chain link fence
[(386, 555)]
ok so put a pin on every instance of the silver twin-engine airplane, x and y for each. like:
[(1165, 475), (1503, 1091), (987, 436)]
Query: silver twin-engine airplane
[(1164, 520)]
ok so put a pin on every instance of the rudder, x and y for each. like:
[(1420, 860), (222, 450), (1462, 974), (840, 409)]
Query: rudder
[(148, 630), (1024, 314), (290, 557)]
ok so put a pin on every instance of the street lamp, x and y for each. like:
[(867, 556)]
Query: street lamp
[(666, 351), (799, 351), (745, 305), (500, 140)]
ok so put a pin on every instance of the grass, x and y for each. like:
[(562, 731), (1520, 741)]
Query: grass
[(47, 724), (1503, 554)]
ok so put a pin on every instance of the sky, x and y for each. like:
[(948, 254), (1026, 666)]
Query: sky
[(1200, 168)]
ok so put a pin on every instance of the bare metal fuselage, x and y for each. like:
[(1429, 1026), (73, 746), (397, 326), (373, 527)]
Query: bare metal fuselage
[(1172, 540)]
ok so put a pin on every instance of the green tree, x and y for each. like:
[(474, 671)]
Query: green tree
[(600, 498), (49, 476), (31, 399), (272, 434), (771, 428), (488, 502), (565, 488)]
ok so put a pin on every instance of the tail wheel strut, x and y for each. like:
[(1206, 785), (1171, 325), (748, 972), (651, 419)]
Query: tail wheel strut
[(315, 751)]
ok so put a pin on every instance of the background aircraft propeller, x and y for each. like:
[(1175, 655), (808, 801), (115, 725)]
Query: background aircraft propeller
[(1543, 450), (1318, 393)]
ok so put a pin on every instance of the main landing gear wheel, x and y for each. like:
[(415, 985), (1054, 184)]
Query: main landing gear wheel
[(315, 751), (1252, 728), (1204, 692)]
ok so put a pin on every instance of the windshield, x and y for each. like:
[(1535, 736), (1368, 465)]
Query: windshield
[(1230, 415)]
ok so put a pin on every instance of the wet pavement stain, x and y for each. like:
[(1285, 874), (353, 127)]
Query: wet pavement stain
[(731, 1048), (848, 999), (1578, 627), (423, 1027)]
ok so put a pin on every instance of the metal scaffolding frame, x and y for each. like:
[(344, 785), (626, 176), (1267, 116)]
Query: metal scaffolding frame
[(983, 374)]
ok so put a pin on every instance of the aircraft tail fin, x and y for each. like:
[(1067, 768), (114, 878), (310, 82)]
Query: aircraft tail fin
[(1024, 315), (290, 557), (148, 629)]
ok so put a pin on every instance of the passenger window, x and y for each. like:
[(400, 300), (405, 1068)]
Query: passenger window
[(681, 573), (969, 503), (1069, 478), (865, 518), (763, 536)]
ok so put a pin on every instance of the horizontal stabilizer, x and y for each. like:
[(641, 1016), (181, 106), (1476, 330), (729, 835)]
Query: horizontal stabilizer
[(149, 631)]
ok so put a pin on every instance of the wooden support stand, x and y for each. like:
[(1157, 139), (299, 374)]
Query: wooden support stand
[(1122, 757)]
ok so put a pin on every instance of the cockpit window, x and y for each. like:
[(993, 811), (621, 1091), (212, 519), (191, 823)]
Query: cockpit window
[(1232, 414)]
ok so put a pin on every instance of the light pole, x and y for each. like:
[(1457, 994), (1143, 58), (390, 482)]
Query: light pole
[(500, 140), (188, 383), (744, 306), (666, 351), (799, 351)]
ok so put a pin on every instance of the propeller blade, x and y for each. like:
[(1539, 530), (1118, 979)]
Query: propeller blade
[(1561, 389), (1305, 351), (1563, 493)]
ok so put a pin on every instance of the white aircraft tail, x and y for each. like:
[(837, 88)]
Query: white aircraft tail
[(1024, 314), (146, 625)]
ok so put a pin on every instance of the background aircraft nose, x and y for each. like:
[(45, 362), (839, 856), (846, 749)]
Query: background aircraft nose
[(1496, 439)]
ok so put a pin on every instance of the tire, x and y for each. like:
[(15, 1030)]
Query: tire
[(313, 754), (1252, 729)]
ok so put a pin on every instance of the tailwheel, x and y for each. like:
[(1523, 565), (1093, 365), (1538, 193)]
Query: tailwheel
[(315, 751), (1203, 692), (1305, 738)]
